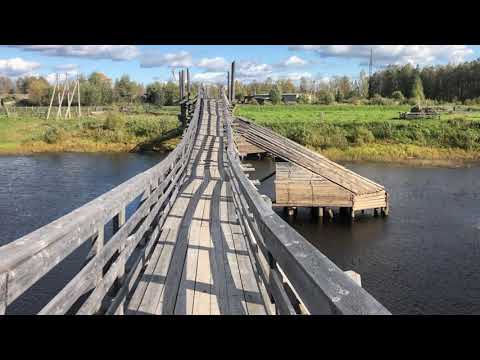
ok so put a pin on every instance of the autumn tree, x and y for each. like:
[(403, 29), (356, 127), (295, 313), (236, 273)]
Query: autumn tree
[(38, 90), (6, 85)]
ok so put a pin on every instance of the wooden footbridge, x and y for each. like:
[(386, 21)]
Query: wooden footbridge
[(201, 241)]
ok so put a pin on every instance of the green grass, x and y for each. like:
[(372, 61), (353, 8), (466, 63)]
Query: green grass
[(367, 132), (110, 131)]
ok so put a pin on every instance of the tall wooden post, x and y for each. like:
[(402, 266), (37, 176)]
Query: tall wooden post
[(60, 101), (232, 83), (180, 84), (78, 89), (53, 97), (228, 85), (188, 83), (67, 112)]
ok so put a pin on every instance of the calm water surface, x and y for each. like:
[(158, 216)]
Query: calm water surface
[(423, 259), (35, 190)]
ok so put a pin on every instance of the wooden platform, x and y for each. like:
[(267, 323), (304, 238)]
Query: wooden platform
[(200, 264), (246, 148), (310, 179)]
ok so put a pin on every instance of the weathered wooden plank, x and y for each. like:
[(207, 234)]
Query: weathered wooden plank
[(3, 293), (139, 292), (185, 297)]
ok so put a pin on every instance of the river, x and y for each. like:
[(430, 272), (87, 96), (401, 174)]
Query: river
[(422, 259)]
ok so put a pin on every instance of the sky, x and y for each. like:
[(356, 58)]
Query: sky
[(209, 63)]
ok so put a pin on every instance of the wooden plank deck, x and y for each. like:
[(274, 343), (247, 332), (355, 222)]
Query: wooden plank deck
[(200, 264)]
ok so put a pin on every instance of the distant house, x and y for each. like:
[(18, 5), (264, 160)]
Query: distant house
[(261, 98)]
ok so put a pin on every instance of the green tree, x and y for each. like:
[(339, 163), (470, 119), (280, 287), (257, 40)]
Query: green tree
[(275, 95), (155, 94), (417, 89), (126, 90), (102, 86), (172, 93)]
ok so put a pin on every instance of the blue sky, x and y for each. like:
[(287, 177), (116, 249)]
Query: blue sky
[(209, 62)]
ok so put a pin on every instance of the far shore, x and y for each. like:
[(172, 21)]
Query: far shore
[(399, 155)]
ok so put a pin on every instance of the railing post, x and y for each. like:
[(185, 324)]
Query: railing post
[(3, 293), (98, 245), (119, 220)]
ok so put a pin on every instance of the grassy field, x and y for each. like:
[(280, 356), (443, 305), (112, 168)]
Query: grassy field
[(110, 131), (372, 133)]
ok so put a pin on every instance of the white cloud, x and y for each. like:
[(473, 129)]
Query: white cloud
[(17, 67), (180, 59), (393, 54), (52, 77), (295, 76), (294, 61), (213, 64), (250, 70), (113, 52), (210, 77), (66, 67)]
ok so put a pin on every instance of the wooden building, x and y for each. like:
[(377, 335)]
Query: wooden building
[(262, 98), (299, 187)]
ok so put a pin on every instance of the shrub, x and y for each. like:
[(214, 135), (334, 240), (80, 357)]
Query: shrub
[(275, 95), (113, 121), (378, 100), (51, 135), (382, 130), (146, 127), (325, 97), (362, 136), (327, 136), (397, 95)]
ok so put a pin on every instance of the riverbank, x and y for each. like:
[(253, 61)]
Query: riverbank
[(374, 133), (108, 132), (401, 154)]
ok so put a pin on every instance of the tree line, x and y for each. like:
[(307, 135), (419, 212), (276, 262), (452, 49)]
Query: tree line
[(395, 83), (445, 83), (95, 90)]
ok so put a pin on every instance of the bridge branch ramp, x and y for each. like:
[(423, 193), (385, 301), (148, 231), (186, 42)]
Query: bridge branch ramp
[(346, 189)]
